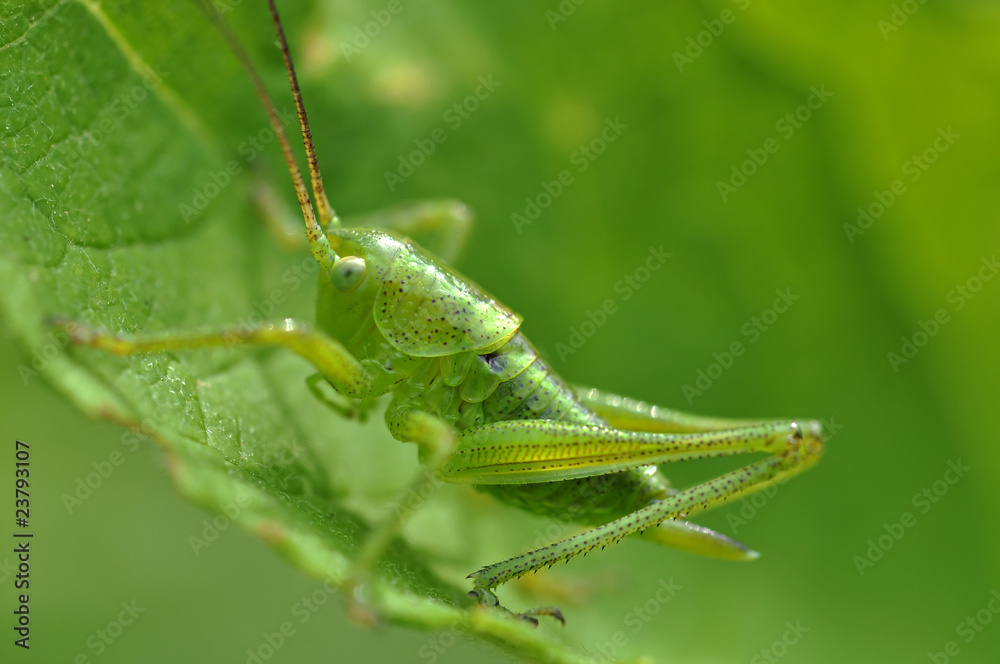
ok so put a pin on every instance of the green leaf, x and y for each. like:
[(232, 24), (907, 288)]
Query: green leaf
[(73, 242), (126, 207)]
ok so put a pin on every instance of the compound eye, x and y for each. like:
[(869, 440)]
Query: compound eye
[(348, 273)]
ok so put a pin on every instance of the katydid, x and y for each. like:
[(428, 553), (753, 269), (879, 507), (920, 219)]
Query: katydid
[(471, 392)]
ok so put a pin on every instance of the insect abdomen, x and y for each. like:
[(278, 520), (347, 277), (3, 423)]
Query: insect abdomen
[(537, 393)]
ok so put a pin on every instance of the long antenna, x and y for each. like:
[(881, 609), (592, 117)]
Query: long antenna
[(319, 245), (326, 213)]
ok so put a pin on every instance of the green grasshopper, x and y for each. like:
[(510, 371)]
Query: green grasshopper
[(477, 399)]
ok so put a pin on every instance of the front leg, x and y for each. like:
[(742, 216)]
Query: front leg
[(341, 369), (435, 440)]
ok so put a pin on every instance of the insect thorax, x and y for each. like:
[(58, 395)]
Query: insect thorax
[(440, 344)]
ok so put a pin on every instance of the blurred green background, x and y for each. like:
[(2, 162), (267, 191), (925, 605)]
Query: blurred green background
[(700, 89)]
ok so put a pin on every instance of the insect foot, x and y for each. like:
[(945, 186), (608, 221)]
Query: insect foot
[(83, 336), (359, 604), (553, 611), (487, 598)]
